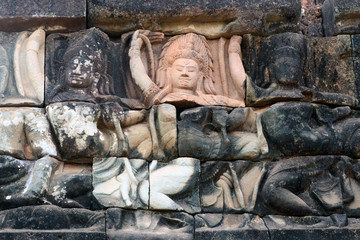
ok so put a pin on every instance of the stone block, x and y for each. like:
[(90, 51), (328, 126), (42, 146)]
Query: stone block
[(293, 67), (121, 182), (230, 187), (230, 226), (141, 224), (22, 68), (219, 133), (211, 18), (174, 185), (312, 227), (298, 129), (50, 222), (26, 133), (341, 17), (51, 15)]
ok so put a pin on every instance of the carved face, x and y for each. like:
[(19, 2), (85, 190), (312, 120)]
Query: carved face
[(79, 73), (4, 73), (286, 70), (184, 74)]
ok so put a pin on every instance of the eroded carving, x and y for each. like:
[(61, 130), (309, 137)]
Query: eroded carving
[(22, 68), (230, 186), (185, 74), (221, 133)]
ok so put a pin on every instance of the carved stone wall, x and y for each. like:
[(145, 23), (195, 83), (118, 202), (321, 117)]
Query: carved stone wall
[(180, 119)]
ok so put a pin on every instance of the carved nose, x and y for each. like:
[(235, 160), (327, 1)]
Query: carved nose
[(184, 74), (77, 70)]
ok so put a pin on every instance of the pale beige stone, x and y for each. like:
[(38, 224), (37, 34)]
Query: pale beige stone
[(187, 74), (25, 133)]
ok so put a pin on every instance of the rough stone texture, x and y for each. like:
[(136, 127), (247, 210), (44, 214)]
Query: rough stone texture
[(212, 18), (298, 129), (174, 185), (312, 227), (230, 226), (52, 15), (210, 133), (140, 224), (25, 133), (294, 67), (341, 17), (318, 185), (330, 71), (230, 186), (22, 68), (311, 18), (355, 42), (50, 222), (118, 182)]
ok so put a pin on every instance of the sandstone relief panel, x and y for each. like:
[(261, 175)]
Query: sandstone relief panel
[(219, 133), (185, 70), (290, 66), (22, 68)]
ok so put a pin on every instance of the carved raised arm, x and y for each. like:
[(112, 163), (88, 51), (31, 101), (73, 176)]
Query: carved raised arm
[(237, 70)]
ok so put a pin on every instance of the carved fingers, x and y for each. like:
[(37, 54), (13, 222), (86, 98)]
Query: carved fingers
[(235, 45)]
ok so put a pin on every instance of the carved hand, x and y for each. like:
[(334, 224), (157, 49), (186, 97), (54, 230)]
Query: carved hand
[(235, 45)]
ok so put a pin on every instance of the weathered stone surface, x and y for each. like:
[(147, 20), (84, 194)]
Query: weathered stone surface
[(312, 227), (25, 133), (212, 18), (87, 130), (71, 186), (22, 68), (118, 182), (330, 71), (318, 185), (83, 67), (50, 222), (298, 129), (174, 185), (45, 180), (230, 226), (191, 69), (230, 186), (138, 224), (311, 18), (210, 133), (293, 67), (52, 15), (355, 42), (341, 17)]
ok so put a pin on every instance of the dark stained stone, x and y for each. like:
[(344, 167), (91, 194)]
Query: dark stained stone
[(230, 226), (141, 224), (312, 227), (298, 129), (210, 18), (341, 17), (52, 15)]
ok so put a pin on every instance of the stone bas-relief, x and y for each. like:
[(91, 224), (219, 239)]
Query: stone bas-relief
[(298, 129), (132, 183), (127, 224), (293, 67), (185, 71), (82, 67), (118, 182), (318, 185), (52, 222), (87, 130), (44, 181), (230, 186), (219, 133), (22, 68), (25, 133)]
